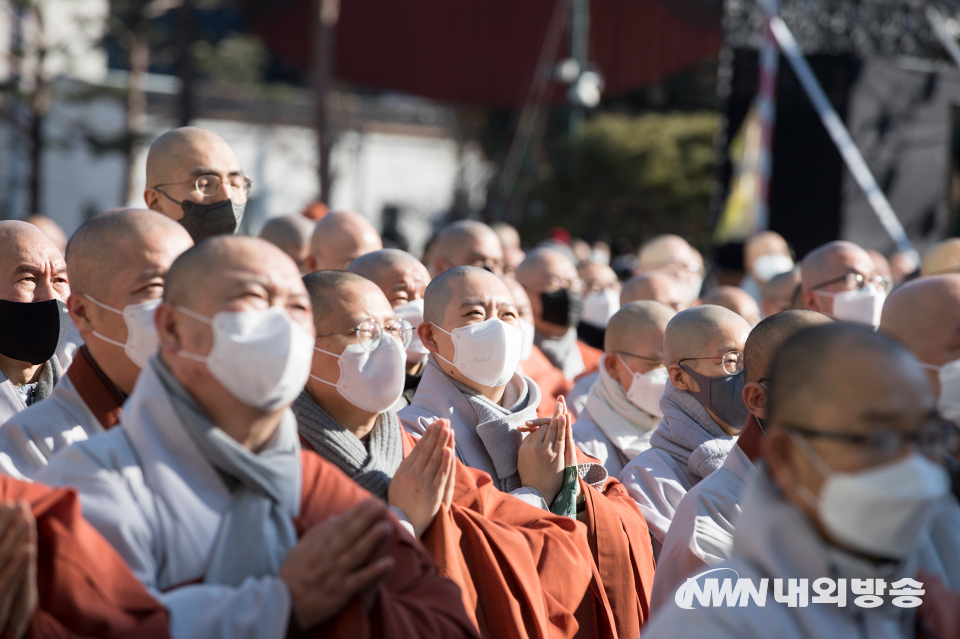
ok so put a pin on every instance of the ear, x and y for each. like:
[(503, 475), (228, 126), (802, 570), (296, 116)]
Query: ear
[(152, 198), (812, 301), (677, 378), (425, 332), (440, 265), (610, 364), (310, 264), (77, 307), (165, 318), (755, 397)]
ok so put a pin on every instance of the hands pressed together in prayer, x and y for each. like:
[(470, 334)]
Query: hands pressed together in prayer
[(426, 478), (547, 450), (18, 568)]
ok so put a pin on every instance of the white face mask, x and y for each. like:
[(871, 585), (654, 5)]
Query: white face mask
[(413, 312), (860, 306), (881, 510), (370, 380), (142, 341), (948, 403), (486, 353), (646, 388), (529, 332), (767, 267), (599, 307), (261, 357), (692, 289)]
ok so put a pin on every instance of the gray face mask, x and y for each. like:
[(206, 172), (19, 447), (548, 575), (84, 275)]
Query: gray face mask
[(206, 220), (722, 395)]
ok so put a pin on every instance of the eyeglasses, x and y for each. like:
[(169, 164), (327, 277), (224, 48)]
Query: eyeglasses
[(369, 333), (732, 362), (209, 185), (853, 280), (555, 283), (656, 361), (936, 438)]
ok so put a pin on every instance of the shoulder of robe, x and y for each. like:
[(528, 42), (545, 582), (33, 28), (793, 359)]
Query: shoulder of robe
[(591, 359), (39, 496), (326, 491)]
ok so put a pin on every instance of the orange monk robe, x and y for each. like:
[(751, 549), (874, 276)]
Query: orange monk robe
[(623, 562), (548, 377), (85, 588), (522, 572), (414, 601)]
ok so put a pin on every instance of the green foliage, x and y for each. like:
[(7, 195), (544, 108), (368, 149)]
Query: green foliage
[(631, 177)]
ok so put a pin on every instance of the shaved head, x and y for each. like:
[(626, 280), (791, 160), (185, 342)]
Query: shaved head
[(637, 328), (696, 332), (509, 238), (31, 267), (341, 237), (770, 334), (440, 291), (291, 234), (666, 249), (942, 257), (179, 148), (779, 291), (466, 243), (328, 291), (735, 299), (401, 276), (654, 286), (128, 239), (597, 277), (924, 316), (543, 268), (51, 229), (765, 243), (826, 264)]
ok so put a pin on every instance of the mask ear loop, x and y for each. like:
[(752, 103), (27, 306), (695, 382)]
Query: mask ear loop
[(454, 346), (197, 316)]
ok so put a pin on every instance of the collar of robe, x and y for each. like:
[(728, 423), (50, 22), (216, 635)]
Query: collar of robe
[(97, 391)]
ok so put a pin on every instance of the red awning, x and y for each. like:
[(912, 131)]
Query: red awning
[(484, 51)]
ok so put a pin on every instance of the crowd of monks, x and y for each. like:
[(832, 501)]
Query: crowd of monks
[(204, 434)]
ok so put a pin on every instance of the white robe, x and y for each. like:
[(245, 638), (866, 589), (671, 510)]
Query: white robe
[(151, 493), (774, 539), (31, 437), (657, 482), (595, 443), (10, 401), (577, 397), (437, 397), (701, 533)]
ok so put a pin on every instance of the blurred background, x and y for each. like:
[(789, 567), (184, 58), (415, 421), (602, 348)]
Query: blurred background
[(607, 120)]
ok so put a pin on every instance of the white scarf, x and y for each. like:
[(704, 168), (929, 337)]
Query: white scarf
[(628, 427)]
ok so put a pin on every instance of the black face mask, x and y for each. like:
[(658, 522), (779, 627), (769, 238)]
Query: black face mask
[(206, 220), (562, 307), (32, 331), (723, 395)]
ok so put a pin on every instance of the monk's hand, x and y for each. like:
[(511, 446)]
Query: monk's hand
[(419, 485), (541, 457), (336, 560), (18, 568)]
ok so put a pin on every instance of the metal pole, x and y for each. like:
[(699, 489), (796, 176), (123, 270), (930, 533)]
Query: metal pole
[(579, 47), (766, 114), (940, 30), (841, 137)]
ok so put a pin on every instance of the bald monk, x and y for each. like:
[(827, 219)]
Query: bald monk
[(116, 263), (472, 332), (765, 255), (203, 488), (941, 257), (840, 280), (510, 242), (466, 243), (291, 234), (701, 533), (832, 387), (881, 263), (622, 407), (533, 363), (61, 578), (556, 297), (504, 555), (51, 229), (33, 316), (778, 293), (339, 238), (655, 287), (193, 177), (702, 408), (601, 299), (735, 299), (403, 279), (673, 255)]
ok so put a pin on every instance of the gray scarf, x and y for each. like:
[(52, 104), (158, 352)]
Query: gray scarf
[(372, 465), (562, 352), (497, 424), (689, 435), (256, 531), (50, 374)]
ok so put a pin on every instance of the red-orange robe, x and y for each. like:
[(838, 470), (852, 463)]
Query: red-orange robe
[(414, 600), (85, 588), (549, 378)]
